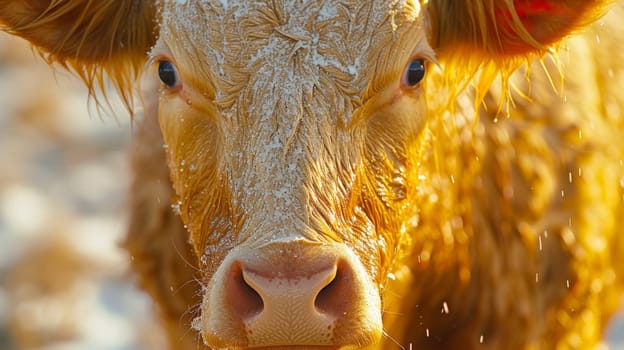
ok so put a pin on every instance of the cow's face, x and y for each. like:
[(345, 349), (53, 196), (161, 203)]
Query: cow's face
[(287, 127)]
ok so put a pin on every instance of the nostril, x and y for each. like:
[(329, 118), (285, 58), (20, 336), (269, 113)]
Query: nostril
[(334, 298), (243, 298)]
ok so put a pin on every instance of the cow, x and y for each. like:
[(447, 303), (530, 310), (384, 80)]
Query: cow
[(363, 174)]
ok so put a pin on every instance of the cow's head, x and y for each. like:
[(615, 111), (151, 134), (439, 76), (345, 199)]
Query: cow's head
[(294, 132)]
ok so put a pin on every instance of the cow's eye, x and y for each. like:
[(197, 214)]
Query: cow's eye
[(168, 74), (414, 73)]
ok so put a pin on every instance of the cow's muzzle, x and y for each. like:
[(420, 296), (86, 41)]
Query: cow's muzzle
[(288, 294)]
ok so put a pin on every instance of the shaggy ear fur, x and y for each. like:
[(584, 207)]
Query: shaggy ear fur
[(494, 37), (91, 37), (502, 29)]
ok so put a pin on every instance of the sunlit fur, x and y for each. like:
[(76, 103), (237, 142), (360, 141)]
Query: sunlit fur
[(492, 29), (518, 208), (95, 39), (487, 215), (483, 40)]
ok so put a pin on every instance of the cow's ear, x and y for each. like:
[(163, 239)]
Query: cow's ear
[(502, 29), (93, 38)]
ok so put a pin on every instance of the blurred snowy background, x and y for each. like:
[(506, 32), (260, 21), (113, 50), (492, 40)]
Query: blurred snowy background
[(64, 282), (63, 177)]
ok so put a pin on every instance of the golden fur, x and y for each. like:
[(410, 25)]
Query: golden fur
[(530, 198), (95, 39), (157, 240), (507, 232)]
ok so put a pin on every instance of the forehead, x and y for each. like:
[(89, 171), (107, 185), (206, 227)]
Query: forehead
[(298, 41)]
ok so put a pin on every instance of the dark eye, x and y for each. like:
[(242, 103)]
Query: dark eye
[(414, 72), (168, 73)]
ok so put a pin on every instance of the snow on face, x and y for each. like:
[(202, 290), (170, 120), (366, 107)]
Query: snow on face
[(286, 78)]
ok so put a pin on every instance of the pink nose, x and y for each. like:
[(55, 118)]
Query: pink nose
[(291, 294), (316, 295)]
